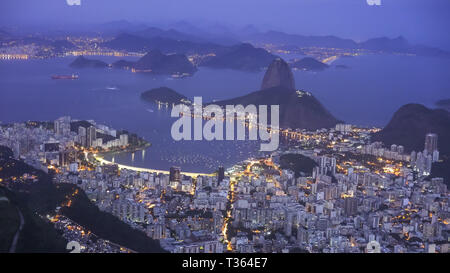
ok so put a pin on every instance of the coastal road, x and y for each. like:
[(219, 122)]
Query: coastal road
[(138, 169), (12, 249)]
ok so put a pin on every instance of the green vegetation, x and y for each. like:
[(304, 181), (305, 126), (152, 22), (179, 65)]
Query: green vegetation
[(411, 123), (9, 222), (37, 234), (32, 199), (105, 225), (42, 198), (297, 163)]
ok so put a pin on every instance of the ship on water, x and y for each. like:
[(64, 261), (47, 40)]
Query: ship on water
[(65, 77)]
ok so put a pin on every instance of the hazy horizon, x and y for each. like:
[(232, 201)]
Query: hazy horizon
[(419, 21)]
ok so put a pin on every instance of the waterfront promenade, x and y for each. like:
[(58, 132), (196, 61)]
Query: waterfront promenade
[(139, 169)]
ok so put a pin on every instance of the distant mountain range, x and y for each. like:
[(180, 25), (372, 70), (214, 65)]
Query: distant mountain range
[(384, 44), (241, 57), (278, 37), (244, 56), (183, 37), (216, 36), (182, 31), (141, 42), (221, 35), (158, 63), (153, 32), (411, 123)]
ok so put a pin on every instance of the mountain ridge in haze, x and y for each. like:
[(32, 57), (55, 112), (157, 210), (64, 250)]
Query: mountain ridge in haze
[(178, 41), (158, 63), (389, 45), (241, 57), (136, 43)]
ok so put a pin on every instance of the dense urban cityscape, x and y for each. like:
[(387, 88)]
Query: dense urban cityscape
[(292, 128), (355, 192)]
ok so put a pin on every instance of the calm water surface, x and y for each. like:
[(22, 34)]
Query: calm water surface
[(367, 93)]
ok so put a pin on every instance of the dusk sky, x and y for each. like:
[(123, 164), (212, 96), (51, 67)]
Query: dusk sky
[(420, 21)]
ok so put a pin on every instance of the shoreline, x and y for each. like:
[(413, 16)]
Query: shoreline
[(127, 150), (102, 161)]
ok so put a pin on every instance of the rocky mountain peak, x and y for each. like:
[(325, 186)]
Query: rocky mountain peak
[(278, 74)]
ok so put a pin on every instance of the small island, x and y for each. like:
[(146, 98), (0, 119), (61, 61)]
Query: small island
[(82, 62), (156, 62), (309, 64), (163, 95)]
